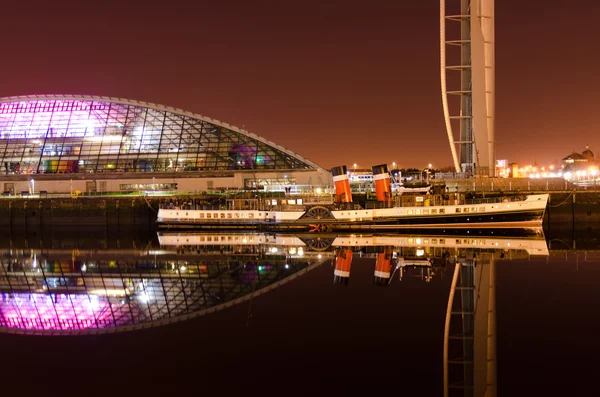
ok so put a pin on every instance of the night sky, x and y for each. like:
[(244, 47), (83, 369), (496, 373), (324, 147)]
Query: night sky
[(339, 82)]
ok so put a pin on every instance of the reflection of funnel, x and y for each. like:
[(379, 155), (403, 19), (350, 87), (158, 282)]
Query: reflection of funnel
[(470, 330), (342, 184), (343, 262), (383, 267)]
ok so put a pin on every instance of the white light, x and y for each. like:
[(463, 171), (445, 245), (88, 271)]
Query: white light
[(274, 249), (287, 266), (319, 256), (183, 268), (108, 138), (319, 190), (109, 292), (420, 252), (144, 297)]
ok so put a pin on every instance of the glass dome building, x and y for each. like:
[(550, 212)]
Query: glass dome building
[(114, 144)]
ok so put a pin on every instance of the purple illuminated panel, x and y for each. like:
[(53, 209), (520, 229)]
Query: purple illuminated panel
[(56, 311)]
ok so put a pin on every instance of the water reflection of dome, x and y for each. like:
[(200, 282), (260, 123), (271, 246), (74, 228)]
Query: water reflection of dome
[(52, 292), (88, 291)]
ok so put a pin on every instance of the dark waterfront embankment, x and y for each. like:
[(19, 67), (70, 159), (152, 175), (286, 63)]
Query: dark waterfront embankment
[(565, 208), (88, 211)]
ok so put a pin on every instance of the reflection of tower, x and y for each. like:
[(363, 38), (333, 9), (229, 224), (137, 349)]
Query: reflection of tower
[(476, 93), (343, 262), (470, 353)]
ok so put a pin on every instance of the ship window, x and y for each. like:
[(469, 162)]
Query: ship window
[(425, 212), (201, 215), (434, 241), (481, 209), (410, 212), (458, 210), (237, 216), (434, 211), (229, 216), (250, 215), (442, 241), (466, 210), (417, 212), (442, 210), (222, 215), (207, 216), (473, 209)]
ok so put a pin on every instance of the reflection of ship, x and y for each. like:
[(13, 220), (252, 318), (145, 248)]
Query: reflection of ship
[(432, 209), (64, 291), (402, 253)]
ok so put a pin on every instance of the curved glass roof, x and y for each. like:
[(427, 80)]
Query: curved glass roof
[(73, 134)]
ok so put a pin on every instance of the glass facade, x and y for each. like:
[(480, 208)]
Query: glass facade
[(49, 135)]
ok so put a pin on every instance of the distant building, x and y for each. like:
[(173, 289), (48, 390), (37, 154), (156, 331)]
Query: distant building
[(579, 161), (581, 167)]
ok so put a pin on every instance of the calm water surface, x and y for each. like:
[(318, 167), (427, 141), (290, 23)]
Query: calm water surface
[(286, 324)]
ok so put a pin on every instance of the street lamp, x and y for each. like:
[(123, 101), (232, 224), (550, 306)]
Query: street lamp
[(428, 171)]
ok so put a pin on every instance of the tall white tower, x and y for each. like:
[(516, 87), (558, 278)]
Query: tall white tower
[(467, 65)]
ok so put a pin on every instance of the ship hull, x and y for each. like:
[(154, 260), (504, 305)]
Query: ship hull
[(526, 213)]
